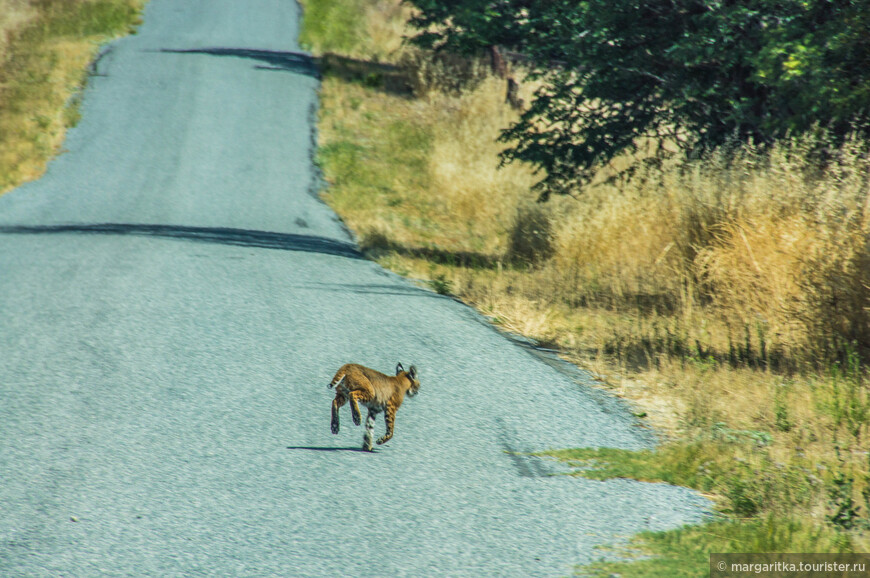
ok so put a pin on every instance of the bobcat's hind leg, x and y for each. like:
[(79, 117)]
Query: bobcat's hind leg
[(369, 436), (357, 396), (339, 401), (354, 406)]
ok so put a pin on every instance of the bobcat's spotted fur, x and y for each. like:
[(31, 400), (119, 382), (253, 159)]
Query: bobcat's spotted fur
[(376, 391)]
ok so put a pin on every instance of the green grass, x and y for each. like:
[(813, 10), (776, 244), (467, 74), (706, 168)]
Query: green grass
[(84, 19), (762, 507), (738, 471), (789, 486), (332, 25), (357, 161), (685, 552)]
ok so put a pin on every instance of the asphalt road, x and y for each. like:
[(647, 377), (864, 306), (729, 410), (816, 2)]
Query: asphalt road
[(174, 300)]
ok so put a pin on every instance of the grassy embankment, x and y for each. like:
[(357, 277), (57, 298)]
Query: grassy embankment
[(727, 301), (45, 48)]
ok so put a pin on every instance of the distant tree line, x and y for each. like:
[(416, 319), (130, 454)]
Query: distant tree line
[(700, 74)]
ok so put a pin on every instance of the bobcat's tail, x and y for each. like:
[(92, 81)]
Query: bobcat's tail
[(336, 380)]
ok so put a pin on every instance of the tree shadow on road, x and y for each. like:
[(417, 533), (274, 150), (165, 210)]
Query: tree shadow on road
[(382, 76), (403, 290), (381, 245), (219, 235), (286, 61)]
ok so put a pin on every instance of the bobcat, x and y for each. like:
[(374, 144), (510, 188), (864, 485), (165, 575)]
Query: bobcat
[(376, 391)]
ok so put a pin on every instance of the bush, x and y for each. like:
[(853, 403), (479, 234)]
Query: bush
[(530, 240)]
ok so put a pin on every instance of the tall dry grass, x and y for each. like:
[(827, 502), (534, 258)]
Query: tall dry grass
[(480, 199), (771, 244), (793, 256)]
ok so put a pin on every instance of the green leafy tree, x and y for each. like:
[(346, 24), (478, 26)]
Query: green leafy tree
[(691, 73)]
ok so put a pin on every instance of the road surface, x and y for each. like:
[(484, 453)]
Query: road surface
[(174, 299)]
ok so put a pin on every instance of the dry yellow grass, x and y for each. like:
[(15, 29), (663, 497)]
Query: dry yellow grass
[(441, 196), (385, 25), (29, 141), (464, 170), (45, 48), (14, 14)]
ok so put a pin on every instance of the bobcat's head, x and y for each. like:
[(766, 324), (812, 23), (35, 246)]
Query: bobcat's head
[(411, 374)]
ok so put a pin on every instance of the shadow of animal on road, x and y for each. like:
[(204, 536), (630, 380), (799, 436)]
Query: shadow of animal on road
[(325, 449)]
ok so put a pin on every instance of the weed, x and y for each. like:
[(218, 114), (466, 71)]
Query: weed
[(440, 284), (845, 512), (531, 238)]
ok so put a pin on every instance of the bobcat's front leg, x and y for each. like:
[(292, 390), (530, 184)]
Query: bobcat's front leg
[(390, 419)]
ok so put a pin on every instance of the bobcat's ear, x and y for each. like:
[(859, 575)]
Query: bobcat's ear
[(412, 373), (399, 368)]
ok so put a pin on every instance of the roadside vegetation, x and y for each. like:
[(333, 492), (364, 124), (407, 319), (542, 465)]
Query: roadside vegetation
[(45, 49), (724, 293)]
